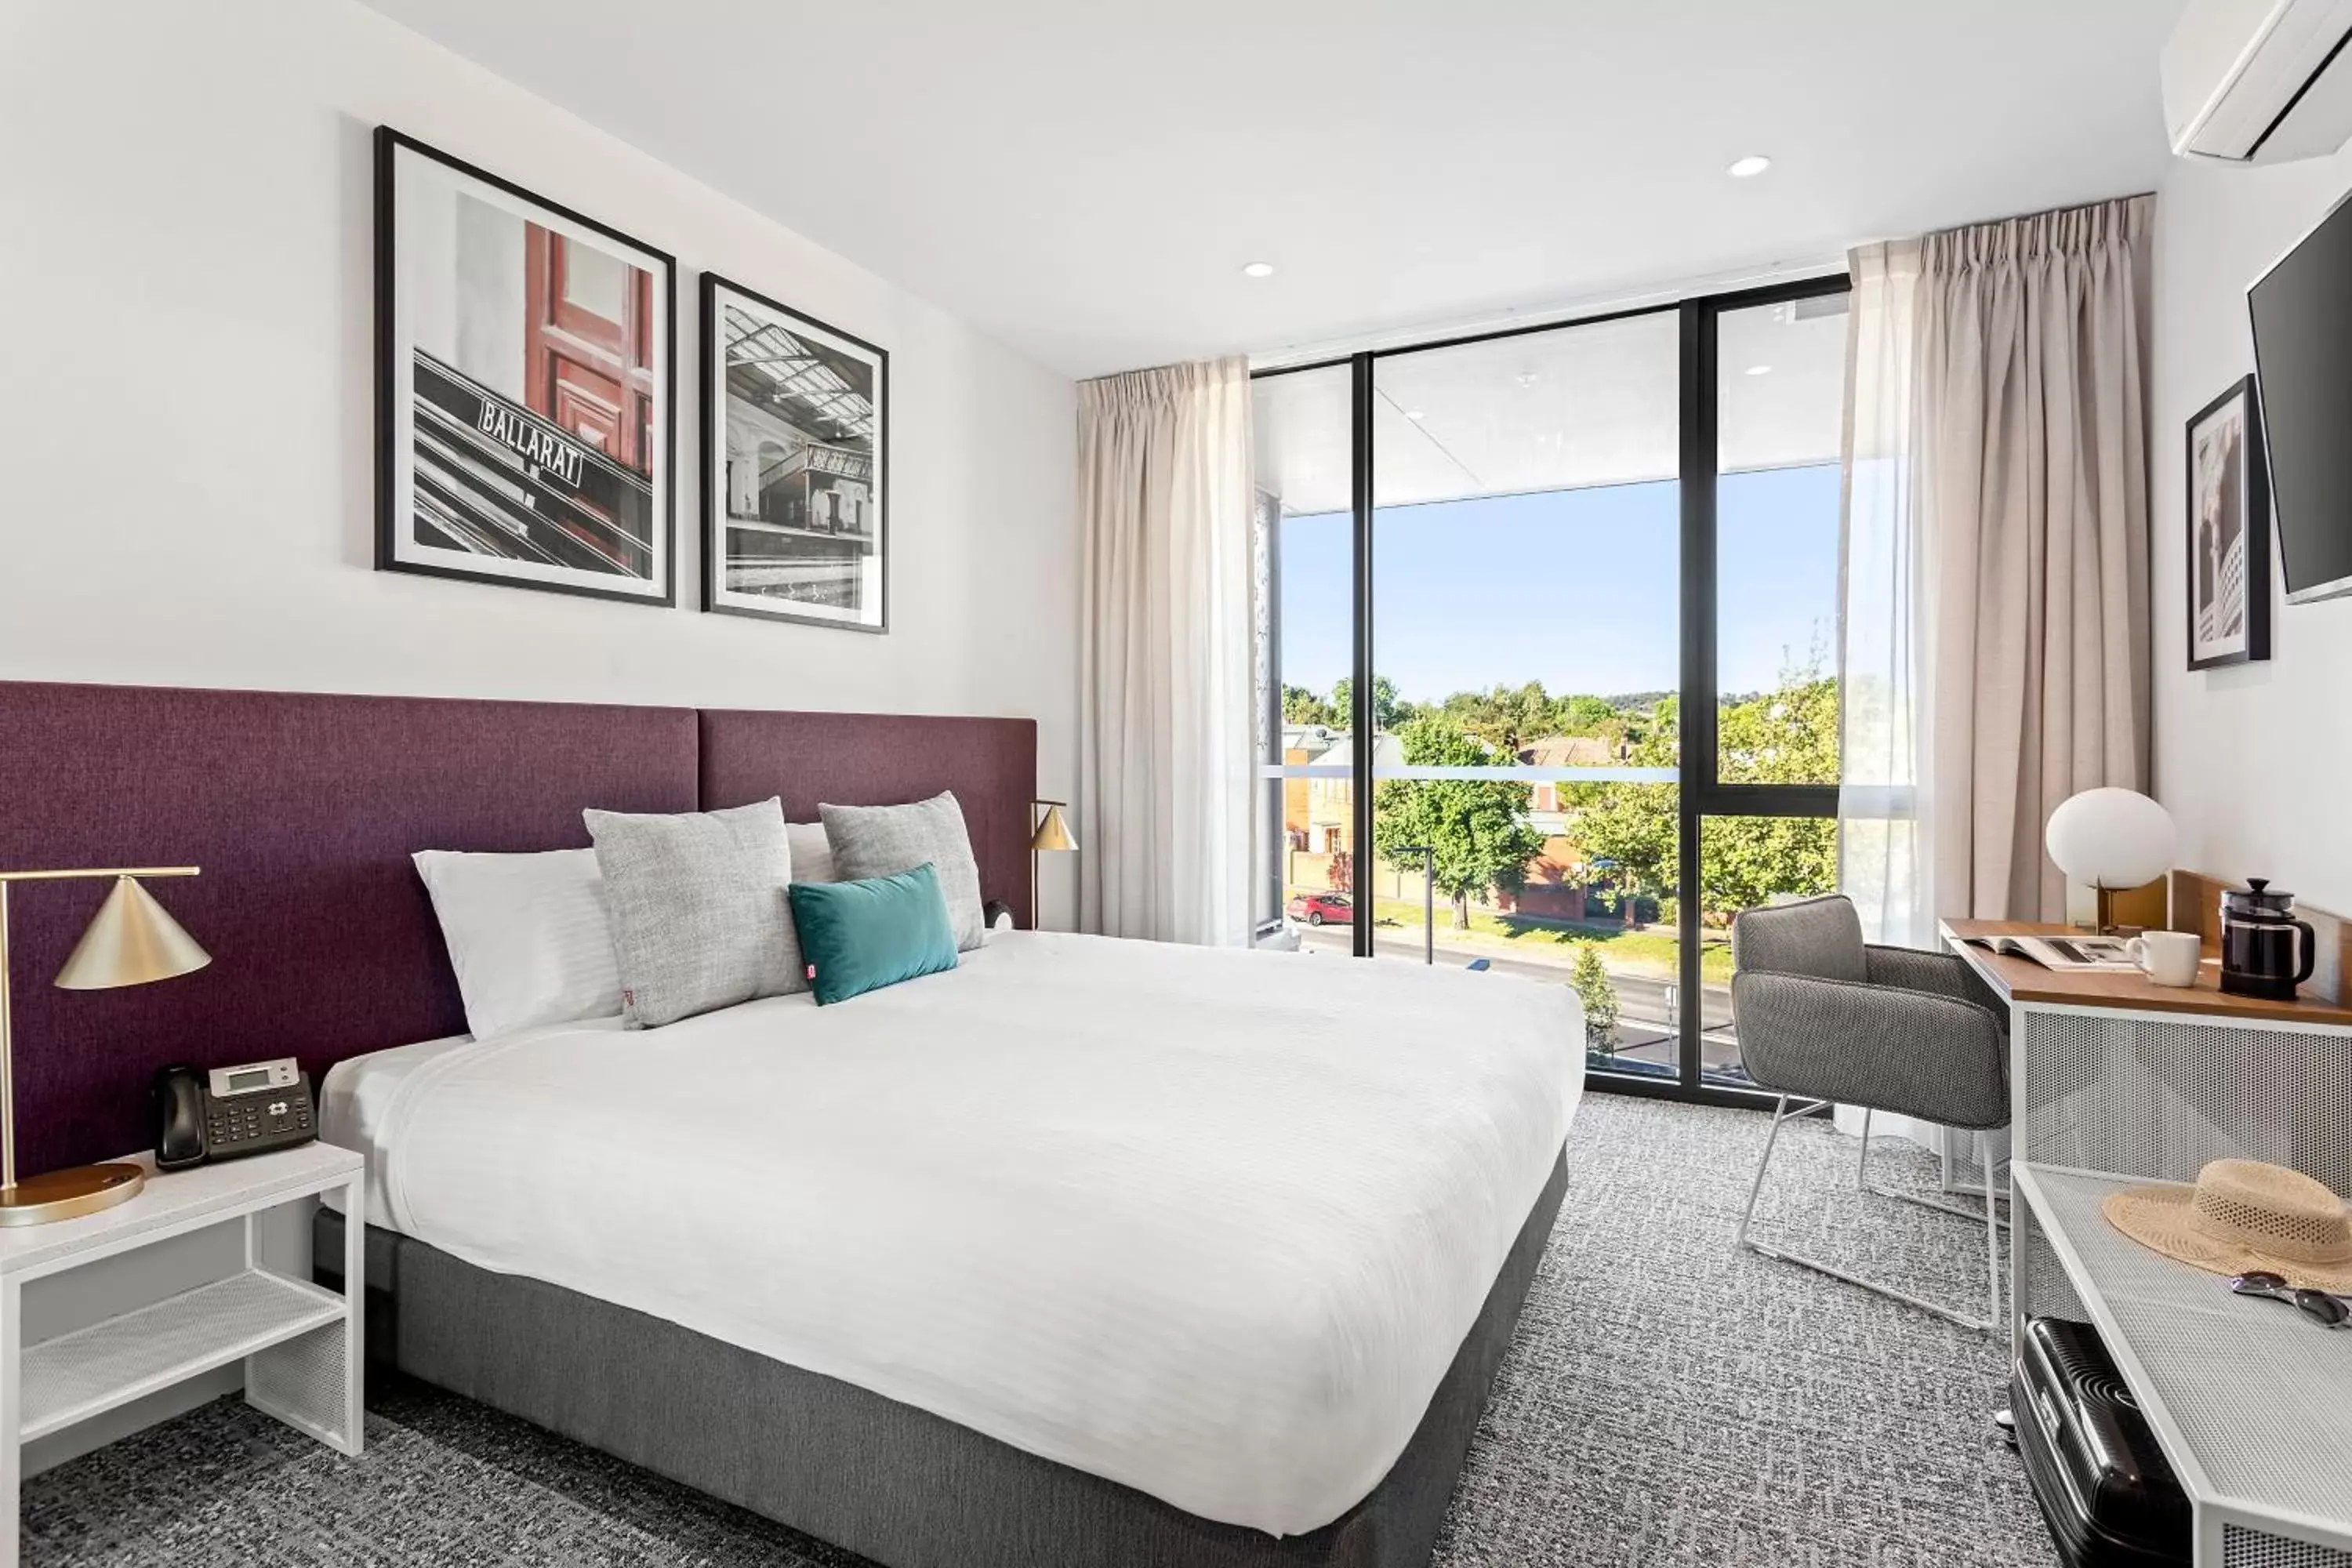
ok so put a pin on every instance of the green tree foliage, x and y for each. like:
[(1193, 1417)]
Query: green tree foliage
[(1300, 706), (1789, 735), (1597, 993), (1509, 717), (1478, 827), (1388, 713), (1627, 833), (1586, 716)]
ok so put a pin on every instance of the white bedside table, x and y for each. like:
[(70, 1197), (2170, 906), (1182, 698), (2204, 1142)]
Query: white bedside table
[(300, 1344)]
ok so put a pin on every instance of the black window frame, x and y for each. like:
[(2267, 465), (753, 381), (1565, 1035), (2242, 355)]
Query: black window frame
[(1701, 790)]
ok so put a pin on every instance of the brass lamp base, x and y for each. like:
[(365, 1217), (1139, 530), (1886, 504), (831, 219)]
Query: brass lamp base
[(69, 1194)]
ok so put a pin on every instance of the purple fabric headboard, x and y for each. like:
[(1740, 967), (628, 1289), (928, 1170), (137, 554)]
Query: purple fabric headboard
[(875, 759), (302, 812)]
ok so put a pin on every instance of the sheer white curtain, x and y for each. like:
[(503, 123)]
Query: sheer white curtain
[(1164, 723), (1885, 809), (1994, 648)]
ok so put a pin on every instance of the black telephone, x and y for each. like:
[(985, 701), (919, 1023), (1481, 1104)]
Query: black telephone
[(224, 1112)]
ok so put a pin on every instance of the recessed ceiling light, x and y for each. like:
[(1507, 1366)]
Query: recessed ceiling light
[(1415, 413), (1760, 369), (1748, 168), (1258, 269)]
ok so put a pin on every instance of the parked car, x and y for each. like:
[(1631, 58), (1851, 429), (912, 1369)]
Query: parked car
[(1323, 908)]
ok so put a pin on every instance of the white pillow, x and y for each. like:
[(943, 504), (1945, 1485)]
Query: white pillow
[(811, 852), (530, 936)]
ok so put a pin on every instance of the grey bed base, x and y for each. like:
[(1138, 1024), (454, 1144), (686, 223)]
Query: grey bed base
[(884, 1480)]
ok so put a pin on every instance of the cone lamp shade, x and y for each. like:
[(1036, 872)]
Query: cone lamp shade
[(1053, 833), (131, 940), (1050, 835)]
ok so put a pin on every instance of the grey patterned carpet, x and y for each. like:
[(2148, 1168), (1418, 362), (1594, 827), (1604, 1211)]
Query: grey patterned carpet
[(1665, 1402)]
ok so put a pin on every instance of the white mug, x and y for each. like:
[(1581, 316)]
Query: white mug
[(2167, 957)]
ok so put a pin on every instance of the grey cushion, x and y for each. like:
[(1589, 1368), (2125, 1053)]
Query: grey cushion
[(1820, 937), (1881, 1045), (883, 840), (699, 917)]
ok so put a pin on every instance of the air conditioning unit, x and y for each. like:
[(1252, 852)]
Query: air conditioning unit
[(2260, 81)]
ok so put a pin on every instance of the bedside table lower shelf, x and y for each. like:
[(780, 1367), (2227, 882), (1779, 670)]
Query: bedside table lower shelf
[(227, 1284), (80, 1375)]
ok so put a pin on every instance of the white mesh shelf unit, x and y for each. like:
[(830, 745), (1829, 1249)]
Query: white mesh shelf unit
[(301, 1345), (2251, 1400)]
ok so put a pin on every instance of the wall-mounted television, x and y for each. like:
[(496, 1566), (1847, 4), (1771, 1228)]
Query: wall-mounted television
[(2302, 310)]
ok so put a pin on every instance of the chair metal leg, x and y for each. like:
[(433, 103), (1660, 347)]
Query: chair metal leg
[(1862, 1178), (1781, 1113)]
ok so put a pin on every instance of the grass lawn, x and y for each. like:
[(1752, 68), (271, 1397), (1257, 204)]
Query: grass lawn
[(1652, 951)]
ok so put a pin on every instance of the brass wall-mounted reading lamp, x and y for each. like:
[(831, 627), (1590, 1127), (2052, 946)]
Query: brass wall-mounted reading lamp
[(131, 940), (1048, 834)]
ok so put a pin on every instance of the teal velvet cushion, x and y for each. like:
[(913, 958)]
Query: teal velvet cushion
[(860, 936)]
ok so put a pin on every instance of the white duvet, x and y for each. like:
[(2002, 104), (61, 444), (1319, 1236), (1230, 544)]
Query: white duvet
[(1208, 1223)]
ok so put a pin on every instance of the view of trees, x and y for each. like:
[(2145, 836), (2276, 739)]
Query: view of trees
[(1506, 718), (1623, 834), (1300, 706), (1598, 994), (1478, 828), (1788, 735)]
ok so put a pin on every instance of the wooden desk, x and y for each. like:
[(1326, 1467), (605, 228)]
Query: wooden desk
[(2112, 1072), (2023, 980)]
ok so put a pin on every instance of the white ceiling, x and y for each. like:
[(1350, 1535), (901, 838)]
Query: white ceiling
[(1595, 405), (1085, 178)]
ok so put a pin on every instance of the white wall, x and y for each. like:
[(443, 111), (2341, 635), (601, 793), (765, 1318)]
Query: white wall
[(2253, 760), (185, 397)]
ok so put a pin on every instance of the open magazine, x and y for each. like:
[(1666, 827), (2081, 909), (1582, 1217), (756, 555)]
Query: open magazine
[(2067, 952)]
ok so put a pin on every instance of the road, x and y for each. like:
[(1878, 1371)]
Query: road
[(1642, 1016), (1640, 998)]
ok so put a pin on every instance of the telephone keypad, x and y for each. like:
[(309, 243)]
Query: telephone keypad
[(250, 1124)]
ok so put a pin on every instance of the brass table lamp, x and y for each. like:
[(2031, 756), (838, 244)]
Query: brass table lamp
[(1048, 834), (130, 941)]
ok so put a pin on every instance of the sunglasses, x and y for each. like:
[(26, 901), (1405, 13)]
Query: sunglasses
[(2327, 1310)]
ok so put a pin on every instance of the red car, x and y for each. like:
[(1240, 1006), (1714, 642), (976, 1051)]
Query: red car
[(1323, 908)]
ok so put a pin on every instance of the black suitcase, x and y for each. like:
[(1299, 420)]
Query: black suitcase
[(2110, 1500)]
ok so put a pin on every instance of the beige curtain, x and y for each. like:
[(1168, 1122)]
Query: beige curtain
[(1995, 648), (1164, 720)]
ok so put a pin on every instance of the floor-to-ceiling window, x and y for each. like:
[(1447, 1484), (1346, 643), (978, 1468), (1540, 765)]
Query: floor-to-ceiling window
[(1551, 617)]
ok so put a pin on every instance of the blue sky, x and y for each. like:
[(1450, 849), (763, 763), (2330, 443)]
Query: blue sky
[(1576, 588)]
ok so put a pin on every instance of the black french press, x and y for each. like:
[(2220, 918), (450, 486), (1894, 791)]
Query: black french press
[(2258, 942)]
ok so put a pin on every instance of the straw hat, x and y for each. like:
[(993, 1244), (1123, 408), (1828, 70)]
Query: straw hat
[(2241, 1216)]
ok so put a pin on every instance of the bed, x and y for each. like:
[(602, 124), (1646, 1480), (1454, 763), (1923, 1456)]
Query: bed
[(1205, 1231), (1342, 1173)]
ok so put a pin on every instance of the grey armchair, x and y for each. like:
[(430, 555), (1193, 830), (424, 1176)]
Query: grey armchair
[(1829, 1019)]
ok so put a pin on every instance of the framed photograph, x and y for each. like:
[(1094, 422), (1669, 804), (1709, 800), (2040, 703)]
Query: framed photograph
[(795, 465), (2229, 532), (526, 391)]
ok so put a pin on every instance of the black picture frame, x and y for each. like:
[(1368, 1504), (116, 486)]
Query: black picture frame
[(534, 484), (717, 596), (2208, 565)]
